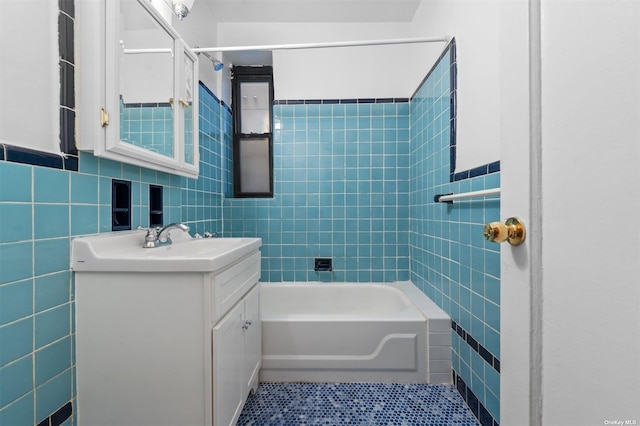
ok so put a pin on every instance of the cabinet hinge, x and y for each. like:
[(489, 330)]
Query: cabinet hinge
[(104, 117)]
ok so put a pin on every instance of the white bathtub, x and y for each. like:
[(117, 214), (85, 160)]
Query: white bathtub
[(355, 332)]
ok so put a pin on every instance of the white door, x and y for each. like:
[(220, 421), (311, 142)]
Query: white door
[(570, 102), (519, 343)]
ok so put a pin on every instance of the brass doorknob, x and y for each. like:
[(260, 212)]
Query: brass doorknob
[(512, 230)]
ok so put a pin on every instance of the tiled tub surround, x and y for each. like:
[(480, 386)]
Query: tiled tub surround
[(341, 171), (450, 260), (41, 209)]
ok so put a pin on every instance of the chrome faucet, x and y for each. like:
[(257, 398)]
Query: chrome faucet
[(154, 237)]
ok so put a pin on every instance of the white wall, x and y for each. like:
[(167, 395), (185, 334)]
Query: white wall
[(333, 73), (478, 29), (591, 204), (200, 29), (29, 74)]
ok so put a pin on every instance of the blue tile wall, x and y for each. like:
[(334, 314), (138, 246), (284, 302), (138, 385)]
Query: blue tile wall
[(201, 199), (341, 191), (450, 260), (41, 209)]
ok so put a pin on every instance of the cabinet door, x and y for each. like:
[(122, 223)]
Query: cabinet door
[(228, 367), (252, 339)]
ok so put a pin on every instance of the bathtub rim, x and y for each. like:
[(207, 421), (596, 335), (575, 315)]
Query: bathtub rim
[(411, 312)]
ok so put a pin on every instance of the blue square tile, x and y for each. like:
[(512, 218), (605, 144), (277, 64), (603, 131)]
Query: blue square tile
[(53, 395), (53, 360), (15, 182), (50, 185), (16, 301), (16, 340), (84, 219), (51, 256), (20, 412), (84, 188), (20, 375), (16, 219), (51, 220), (52, 325), (52, 290), (16, 261)]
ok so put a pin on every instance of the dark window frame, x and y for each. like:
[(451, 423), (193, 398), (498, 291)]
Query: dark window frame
[(244, 74)]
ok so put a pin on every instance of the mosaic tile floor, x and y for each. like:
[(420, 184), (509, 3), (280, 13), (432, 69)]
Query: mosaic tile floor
[(291, 404)]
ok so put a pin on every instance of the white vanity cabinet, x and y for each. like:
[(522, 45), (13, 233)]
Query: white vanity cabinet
[(167, 348), (136, 87)]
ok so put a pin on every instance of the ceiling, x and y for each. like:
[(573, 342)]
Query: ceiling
[(313, 10)]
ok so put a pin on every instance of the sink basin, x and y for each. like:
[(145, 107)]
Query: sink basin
[(122, 251)]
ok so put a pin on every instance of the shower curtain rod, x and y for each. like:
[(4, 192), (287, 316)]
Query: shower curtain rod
[(271, 47), (320, 45)]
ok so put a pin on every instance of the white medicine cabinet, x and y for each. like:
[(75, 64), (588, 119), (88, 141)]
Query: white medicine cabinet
[(136, 87)]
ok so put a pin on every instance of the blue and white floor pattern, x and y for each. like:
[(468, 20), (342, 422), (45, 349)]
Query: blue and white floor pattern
[(301, 404)]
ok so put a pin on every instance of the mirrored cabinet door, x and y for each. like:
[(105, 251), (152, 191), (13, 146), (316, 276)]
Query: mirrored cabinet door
[(146, 81), (188, 106), (137, 89)]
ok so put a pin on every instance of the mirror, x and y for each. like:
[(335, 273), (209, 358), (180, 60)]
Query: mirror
[(147, 82), (188, 107)]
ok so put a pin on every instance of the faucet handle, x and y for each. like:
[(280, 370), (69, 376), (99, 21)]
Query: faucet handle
[(151, 239)]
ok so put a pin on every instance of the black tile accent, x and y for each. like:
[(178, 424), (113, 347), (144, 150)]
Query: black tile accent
[(323, 264), (1, 151), (461, 175), (436, 198), (478, 171), (473, 343), (19, 154), (68, 7), (45, 422), (71, 163), (67, 86), (472, 402), (155, 206), (339, 101), (120, 205), (65, 38), (482, 414), (68, 131), (486, 355), (461, 386), (494, 167), (62, 414)]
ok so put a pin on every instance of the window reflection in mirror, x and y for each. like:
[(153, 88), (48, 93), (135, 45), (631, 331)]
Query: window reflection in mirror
[(146, 82)]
